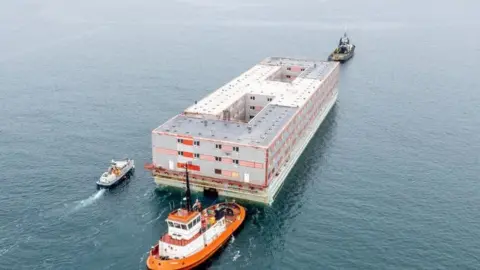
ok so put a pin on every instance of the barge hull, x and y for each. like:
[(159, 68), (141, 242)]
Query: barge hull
[(267, 195), (243, 139)]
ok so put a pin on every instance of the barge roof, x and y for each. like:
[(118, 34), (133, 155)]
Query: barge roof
[(259, 131), (288, 97), (258, 81)]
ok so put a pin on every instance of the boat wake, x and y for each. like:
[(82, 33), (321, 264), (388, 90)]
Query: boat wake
[(236, 255), (158, 216), (88, 201)]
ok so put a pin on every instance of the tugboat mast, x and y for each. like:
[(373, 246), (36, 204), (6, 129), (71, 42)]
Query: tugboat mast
[(187, 193)]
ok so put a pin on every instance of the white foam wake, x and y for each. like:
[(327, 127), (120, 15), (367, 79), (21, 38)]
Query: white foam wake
[(88, 201)]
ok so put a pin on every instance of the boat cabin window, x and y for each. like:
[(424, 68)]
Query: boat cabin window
[(184, 227), (177, 225), (198, 219), (190, 225), (170, 224)]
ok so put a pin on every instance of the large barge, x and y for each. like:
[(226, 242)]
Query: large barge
[(243, 139)]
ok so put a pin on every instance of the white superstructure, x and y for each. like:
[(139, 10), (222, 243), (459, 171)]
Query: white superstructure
[(243, 138), (115, 173)]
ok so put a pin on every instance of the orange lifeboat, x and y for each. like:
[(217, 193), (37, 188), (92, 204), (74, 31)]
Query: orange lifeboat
[(194, 235)]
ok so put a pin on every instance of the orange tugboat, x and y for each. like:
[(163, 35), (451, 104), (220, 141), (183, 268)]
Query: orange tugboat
[(194, 235)]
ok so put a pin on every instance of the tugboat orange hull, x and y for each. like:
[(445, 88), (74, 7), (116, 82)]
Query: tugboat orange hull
[(195, 260)]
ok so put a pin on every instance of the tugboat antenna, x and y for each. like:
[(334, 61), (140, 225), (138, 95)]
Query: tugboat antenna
[(187, 193)]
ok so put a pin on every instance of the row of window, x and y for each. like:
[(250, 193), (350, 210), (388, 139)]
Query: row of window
[(253, 98), (234, 148), (227, 173), (235, 161), (197, 143), (218, 146), (197, 155), (183, 226), (288, 68)]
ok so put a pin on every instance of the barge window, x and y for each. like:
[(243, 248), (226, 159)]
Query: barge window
[(251, 116), (270, 99), (184, 227), (252, 98), (180, 140), (197, 143), (197, 155), (218, 158), (235, 161), (218, 171), (180, 153), (235, 148), (218, 146)]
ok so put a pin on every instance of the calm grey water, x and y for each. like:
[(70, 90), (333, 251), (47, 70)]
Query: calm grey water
[(390, 181)]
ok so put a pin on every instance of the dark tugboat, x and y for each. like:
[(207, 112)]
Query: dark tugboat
[(344, 51)]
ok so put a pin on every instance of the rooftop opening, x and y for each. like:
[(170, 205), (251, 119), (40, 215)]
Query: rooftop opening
[(287, 74)]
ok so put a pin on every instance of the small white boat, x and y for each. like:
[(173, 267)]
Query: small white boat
[(115, 173)]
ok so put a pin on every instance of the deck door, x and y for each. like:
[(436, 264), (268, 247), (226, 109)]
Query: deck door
[(246, 177)]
